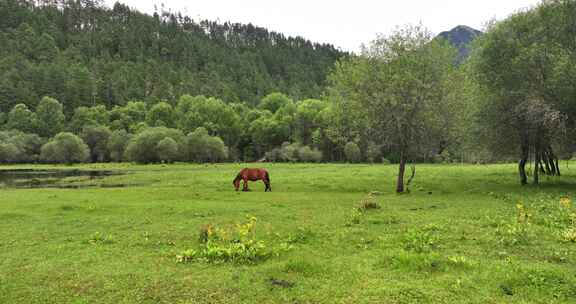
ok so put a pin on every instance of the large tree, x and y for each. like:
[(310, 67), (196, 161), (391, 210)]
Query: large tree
[(525, 67), (399, 81)]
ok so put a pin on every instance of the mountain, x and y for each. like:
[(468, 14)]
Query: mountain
[(461, 37)]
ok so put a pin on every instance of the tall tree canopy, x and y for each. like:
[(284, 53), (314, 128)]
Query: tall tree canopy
[(526, 70), (399, 83)]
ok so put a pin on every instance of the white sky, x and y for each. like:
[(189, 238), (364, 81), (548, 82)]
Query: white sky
[(345, 24)]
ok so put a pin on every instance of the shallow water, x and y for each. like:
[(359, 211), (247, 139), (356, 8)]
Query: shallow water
[(52, 178)]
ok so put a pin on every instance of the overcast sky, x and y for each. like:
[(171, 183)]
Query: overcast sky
[(345, 24)]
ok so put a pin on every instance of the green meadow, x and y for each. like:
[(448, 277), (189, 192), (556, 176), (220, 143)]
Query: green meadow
[(463, 234)]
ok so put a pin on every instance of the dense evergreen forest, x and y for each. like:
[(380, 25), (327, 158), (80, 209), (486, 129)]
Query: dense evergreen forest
[(83, 82), (85, 54)]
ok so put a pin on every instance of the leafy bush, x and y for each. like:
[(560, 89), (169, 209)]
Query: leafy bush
[(9, 153), (294, 152), (307, 154), (373, 152), (65, 148), (167, 150), (117, 144), (201, 147), (352, 152), (143, 147), (18, 147), (96, 137)]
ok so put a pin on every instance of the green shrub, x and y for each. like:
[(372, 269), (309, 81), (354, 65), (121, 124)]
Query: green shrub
[(167, 150), (352, 152), (97, 137), (65, 148), (117, 144), (307, 154), (201, 147), (143, 147)]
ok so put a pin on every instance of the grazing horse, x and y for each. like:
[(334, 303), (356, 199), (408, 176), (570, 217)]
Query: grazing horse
[(252, 174)]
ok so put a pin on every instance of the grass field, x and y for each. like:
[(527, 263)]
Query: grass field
[(465, 234)]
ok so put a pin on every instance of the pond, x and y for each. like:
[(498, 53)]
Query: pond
[(54, 178)]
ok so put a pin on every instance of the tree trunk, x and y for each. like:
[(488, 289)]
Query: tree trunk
[(401, 168), (522, 165), (537, 165), (546, 159)]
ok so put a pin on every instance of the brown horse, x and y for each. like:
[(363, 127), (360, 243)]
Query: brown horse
[(252, 174)]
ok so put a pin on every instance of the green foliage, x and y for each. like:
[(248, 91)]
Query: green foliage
[(274, 101), (66, 148), (117, 143), (93, 54), (144, 146), (21, 118), (161, 115), (294, 152), (167, 150), (352, 152), (422, 240), (97, 137), (201, 147), (18, 147), (99, 238), (238, 246), (89, 116), (50, 117)]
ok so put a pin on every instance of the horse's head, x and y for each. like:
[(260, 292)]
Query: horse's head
[(236, 182)]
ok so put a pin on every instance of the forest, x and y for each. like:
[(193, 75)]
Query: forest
[(81, 82)]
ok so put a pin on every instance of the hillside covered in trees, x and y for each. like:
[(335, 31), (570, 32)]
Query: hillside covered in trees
[(83, 54)]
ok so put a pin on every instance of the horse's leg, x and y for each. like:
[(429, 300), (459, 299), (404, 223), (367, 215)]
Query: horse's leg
[(245, 187)]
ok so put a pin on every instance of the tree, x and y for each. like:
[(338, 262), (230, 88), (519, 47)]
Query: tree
[(96, 137), (50, 117), (66, 148), (201, 147), (274, 101), (399, 82), (117, 144), (524, 67), (161, 115), (89, 116), (143, 147), (21, 118), (167, 150), (352, 152)]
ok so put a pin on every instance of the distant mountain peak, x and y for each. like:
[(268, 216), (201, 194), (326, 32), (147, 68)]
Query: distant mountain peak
[(460, 37)]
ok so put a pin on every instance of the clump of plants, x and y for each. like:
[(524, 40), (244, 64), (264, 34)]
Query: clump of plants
[(422, 240), (517, 233), (238, 245), (100, 239), (366, 204), (569, 234)]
